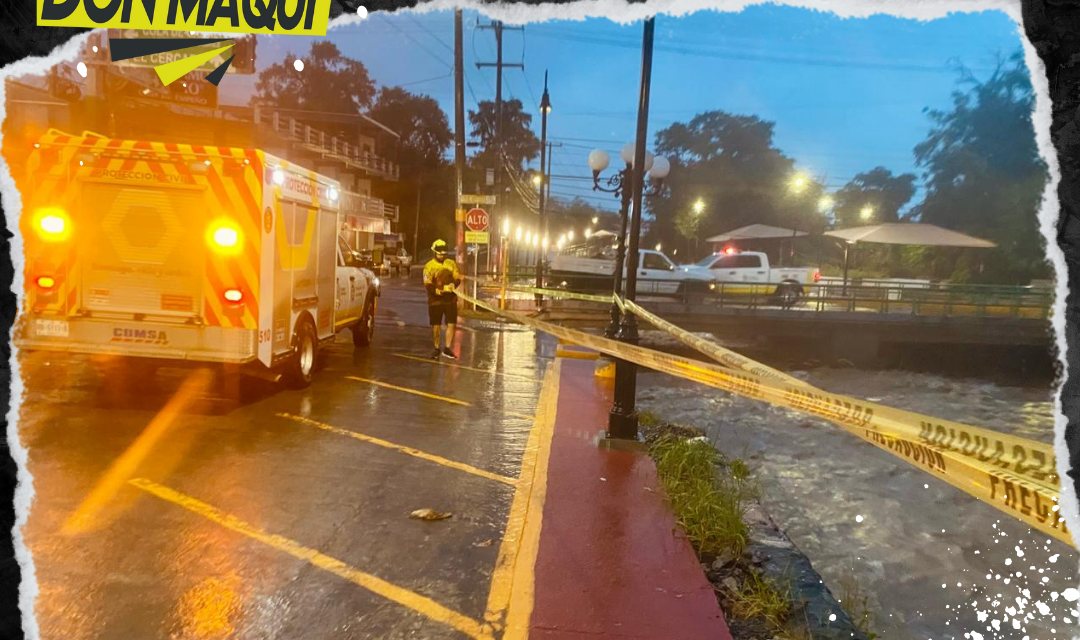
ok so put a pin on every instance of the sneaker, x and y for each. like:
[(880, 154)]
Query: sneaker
[(435, 354), (448, 353)]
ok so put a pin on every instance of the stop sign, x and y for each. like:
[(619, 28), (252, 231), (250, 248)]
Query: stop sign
[(476, 220)]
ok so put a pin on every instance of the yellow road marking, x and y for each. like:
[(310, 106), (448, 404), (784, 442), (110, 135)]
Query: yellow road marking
[(462, 366), (415, 392), (417, 453), (418, 603), (424, 394), (510, 600), (84, 516)]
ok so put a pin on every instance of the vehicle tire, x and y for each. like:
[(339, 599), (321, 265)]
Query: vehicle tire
[(300, 367), (788, 295), (363, 332)]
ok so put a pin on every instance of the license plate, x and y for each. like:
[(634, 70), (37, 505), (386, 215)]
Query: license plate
[(51, 328)]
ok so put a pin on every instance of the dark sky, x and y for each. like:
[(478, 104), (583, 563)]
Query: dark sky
[(846, 94)]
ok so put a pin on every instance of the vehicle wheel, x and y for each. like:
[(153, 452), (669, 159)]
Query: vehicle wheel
[(788, 295), (300, 368), (363, 332)]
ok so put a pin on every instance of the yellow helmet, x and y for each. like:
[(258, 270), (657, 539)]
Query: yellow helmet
[(439, 246)]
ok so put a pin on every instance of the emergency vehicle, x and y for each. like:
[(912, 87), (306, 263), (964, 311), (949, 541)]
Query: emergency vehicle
[(186, 252)]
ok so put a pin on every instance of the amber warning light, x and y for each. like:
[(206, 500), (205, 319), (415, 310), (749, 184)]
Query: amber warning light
[(51, 223)]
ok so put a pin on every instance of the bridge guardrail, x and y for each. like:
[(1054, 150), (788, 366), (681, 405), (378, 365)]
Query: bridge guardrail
[(917, 299)]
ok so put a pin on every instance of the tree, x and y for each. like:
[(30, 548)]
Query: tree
[(984, 175), (578, 214), (421, 123), (329, 82), (879, 192), (729, 163), (519, 143), (426, 192)]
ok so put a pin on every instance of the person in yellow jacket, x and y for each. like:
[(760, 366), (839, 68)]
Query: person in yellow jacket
[(441, 275)]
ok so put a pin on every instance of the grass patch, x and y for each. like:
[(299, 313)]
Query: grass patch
[(759, 598), (708, 493)]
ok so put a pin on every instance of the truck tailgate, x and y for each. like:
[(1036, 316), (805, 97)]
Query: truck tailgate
[(142, 249)]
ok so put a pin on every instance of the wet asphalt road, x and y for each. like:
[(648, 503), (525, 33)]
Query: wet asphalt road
[(114, 560)]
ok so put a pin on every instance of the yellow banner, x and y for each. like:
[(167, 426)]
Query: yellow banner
[(1015, 475), (297, 17)]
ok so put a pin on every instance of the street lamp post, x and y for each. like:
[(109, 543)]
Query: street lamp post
[(545, 108), (623, 419), (621, 184)]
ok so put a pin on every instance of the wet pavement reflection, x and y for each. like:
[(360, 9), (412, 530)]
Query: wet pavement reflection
[(233, 500)]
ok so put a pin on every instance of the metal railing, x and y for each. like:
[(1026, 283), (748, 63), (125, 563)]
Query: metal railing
[(914, 298), (334, 147), (367, 206)]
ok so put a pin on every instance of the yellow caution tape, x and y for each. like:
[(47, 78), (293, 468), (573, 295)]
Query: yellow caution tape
[(722, 355), (558, 293), (1014, 474)]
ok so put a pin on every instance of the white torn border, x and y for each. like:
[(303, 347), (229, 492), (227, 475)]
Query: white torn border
[(621, 12)]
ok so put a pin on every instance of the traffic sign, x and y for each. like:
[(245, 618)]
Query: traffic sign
[(476, 220), (242, 51), (472, 198), (476, 237)]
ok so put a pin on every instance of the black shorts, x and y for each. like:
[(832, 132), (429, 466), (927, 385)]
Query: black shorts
[(439, 309)]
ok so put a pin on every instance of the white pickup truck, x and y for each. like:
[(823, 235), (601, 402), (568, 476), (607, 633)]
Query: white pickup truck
[(730, 270), (657, 274)]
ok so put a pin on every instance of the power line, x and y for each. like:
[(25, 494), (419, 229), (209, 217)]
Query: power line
[(406, 84), (441, 59), (430, 32), (548, 32)]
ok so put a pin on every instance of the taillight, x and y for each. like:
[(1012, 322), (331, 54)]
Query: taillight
[(817, 276), (52, 224), (233, 295), (46, 282)]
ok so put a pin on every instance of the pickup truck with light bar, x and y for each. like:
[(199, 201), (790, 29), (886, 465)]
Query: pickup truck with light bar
[(657, 274), (737, 272), (180, 252)]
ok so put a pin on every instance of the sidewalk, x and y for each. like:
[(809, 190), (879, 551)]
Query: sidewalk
[(606, 558)]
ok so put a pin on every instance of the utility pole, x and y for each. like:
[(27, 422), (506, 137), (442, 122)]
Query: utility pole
[(416, 220), (459, 133), (498, 27)]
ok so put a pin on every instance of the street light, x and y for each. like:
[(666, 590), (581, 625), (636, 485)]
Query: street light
[(588, 233), (825, 204), (623, 418), (621, 184), (595, 219), (799, 182), (506, 227), (866, 212), (699, 206), (545, 108)]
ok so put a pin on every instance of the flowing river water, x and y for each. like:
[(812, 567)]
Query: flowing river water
[(932, 562)]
